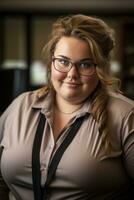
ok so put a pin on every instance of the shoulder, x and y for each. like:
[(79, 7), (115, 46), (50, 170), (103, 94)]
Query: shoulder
[(120, 117), (21, 109), (25, 102), (120, 105), (28, 99)]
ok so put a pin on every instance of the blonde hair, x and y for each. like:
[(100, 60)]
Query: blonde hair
[(100, 38)]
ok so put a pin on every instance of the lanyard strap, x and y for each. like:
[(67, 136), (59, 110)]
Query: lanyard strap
[(36, 175), (39, 192)]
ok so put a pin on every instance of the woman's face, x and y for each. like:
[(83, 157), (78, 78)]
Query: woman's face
[(72, 86)]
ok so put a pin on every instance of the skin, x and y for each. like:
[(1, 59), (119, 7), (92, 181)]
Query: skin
[(72, 88)]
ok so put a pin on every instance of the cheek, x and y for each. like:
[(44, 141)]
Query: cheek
[(90, 84), (57, 76), (90, 79)]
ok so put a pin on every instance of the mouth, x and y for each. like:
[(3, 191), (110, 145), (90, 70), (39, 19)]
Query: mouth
[(72, 84)]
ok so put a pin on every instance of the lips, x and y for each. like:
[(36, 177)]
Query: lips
[(72, 84)]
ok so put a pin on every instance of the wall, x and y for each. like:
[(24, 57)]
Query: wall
[(116, 6)]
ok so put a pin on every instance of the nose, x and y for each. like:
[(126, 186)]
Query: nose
[(73, 72)]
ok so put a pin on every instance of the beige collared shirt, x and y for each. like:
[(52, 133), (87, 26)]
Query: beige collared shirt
[(79, 174)]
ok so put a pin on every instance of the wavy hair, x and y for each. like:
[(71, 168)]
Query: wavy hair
[(100, 38)]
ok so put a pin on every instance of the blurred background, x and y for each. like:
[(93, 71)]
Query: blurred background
[(25, 26)]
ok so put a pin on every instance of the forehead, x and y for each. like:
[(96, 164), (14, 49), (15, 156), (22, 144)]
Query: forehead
[(73, 48)]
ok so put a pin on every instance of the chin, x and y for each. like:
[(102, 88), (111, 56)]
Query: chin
[(73, 98)]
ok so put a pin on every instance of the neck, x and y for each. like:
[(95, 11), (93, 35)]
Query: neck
[(66, 107), (67, 113)]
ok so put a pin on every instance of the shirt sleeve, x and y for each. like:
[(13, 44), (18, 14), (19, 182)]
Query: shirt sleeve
[(3, 187), (11, 109), (4, 191), (128, 144), (3, 120)]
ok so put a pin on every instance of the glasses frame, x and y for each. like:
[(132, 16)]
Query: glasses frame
[(72, 64)]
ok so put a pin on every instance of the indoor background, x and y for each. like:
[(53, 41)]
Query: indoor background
[(25, 26)]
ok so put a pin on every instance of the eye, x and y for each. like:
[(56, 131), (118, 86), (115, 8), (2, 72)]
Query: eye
[(86, 64), (64, 62)]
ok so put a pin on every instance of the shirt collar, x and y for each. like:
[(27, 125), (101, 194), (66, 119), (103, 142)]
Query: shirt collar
[(44, 99)]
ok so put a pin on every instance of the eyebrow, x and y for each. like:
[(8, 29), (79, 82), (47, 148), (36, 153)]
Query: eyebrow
[(67, 58)]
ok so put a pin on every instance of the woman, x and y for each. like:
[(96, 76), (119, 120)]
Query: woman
[(75, 138)]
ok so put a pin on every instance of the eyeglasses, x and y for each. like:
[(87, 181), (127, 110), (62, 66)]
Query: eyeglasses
[(85, 67)]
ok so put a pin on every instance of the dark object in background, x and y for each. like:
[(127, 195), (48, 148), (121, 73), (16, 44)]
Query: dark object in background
[(12, 83)]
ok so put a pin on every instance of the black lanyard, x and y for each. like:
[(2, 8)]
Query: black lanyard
[(39, 192)]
